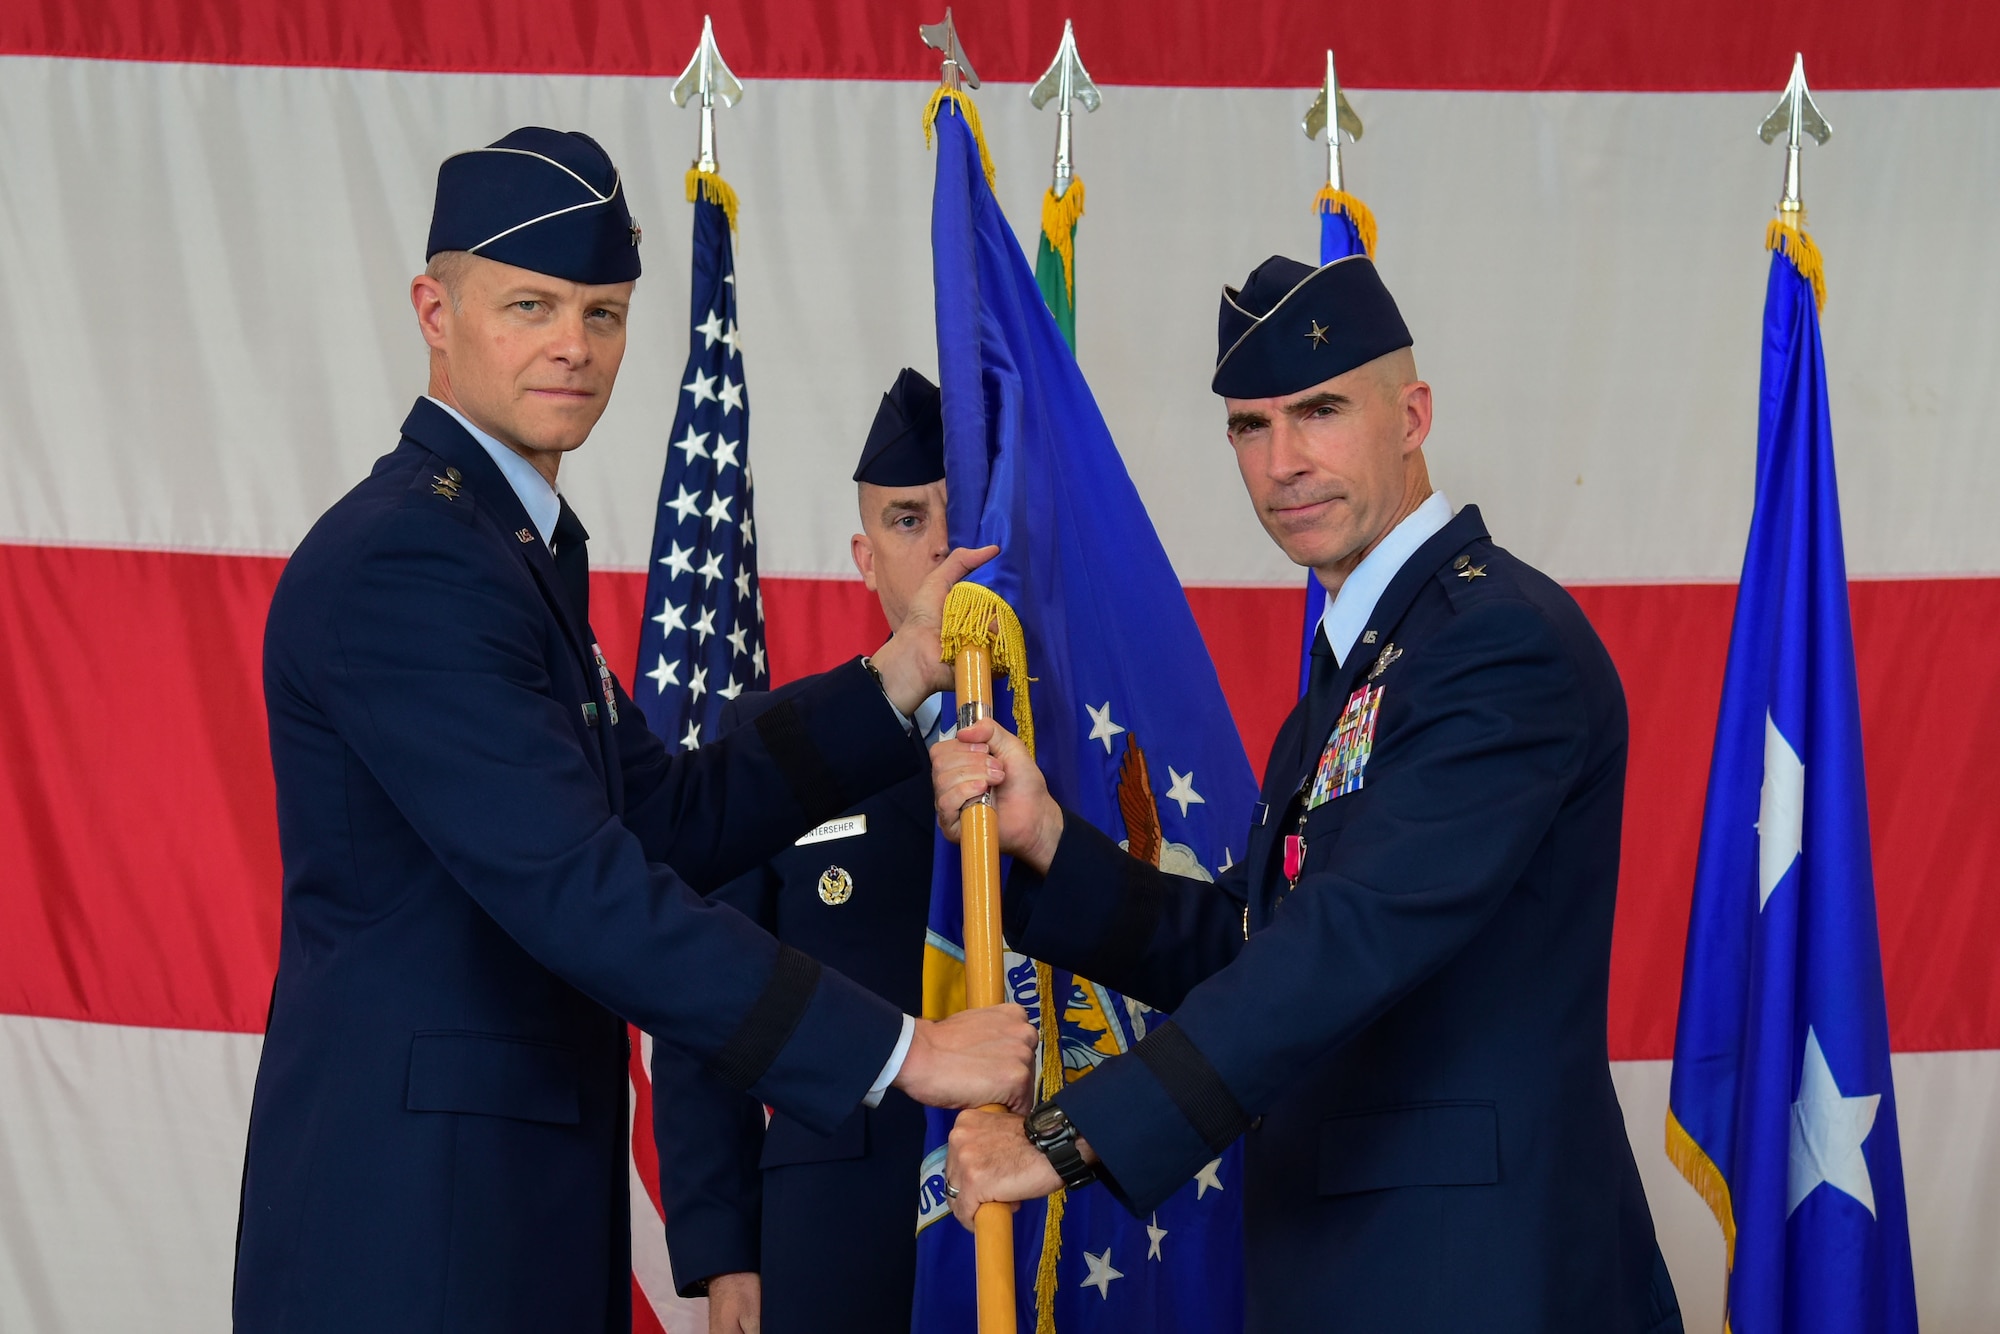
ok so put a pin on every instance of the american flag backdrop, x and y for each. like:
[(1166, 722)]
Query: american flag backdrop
[(210, 212), (702, 642)]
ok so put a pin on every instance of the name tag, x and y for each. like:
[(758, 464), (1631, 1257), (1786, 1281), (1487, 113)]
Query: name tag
[(847, 826)]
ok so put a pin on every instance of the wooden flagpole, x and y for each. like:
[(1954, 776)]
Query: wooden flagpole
[(985, 980)]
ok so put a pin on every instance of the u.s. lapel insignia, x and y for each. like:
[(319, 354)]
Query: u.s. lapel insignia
[(523, 535), (836, 886), (1389, 654)]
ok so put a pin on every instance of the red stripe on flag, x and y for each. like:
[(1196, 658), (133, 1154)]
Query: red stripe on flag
[(645, 1153), (1692, 45), (138, 853), (138, 827)]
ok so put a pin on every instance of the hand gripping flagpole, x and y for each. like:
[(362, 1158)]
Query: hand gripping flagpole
[(708, 79)]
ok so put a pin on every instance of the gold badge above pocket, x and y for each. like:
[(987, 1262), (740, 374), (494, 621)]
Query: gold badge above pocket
[(836, 886)]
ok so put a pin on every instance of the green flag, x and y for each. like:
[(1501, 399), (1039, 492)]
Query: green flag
[(1055, 256)]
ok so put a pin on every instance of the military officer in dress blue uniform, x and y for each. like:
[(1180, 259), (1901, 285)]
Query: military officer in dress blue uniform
[(816, 1232), (1398, 997), (490, 865)]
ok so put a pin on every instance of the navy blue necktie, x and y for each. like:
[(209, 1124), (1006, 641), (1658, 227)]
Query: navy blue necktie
[(572, 557), (1322, 685)]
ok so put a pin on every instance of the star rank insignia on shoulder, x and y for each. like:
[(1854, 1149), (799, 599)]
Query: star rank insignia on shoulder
[(1467, 570), (447, 485)]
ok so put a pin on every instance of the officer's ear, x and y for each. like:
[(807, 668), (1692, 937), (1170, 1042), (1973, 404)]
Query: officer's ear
[(863, 552)]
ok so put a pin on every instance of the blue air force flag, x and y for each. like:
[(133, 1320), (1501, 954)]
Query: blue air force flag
[(1341, 219), (702, 640), (1782, 1111), (1132, 731)]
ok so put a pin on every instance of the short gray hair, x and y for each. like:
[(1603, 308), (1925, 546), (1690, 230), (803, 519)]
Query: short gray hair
[(449, 267)]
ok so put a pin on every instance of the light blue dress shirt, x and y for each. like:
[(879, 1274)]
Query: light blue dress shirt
[(1346, 616), (541, 500)]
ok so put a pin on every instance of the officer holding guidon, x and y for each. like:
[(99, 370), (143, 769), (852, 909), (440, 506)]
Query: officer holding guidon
[(1398, 998), (807, 1230), (490, 865)]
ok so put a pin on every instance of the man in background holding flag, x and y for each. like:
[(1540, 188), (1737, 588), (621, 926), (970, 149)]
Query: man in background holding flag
[(1782, 1111), (1400, 994), (803, 1230)]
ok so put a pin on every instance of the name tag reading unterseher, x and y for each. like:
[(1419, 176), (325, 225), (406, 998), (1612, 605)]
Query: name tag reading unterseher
[(847, 826)]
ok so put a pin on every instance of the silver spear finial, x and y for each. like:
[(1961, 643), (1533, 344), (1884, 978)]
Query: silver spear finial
[(1066, 81), (956, 72), (1795, 116), (1330, 113), (707, 77)]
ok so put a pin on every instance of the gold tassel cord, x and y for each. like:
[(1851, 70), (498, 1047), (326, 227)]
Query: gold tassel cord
[(976, 616), (1059, 218), (1330, 200), (710, 186), (971, 113), (1051, 1084), (1788, 234)]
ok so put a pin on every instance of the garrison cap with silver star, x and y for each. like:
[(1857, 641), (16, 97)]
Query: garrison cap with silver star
[(1291, 326)]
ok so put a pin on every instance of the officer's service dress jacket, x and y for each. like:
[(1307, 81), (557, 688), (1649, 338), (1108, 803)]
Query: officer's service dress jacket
[(1411, 1039), (829, 1220), (489, 866)]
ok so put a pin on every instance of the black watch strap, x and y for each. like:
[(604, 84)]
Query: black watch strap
[(1049, 1130)]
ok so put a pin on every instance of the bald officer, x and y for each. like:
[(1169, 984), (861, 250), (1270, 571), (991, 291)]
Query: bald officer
[(1398, 996), (490, 865), (816, 1232)]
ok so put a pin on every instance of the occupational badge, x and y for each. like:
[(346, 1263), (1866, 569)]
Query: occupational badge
[(836, 886)]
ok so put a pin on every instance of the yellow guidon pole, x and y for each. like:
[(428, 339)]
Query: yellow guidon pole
[(979, 848), (981, 631)]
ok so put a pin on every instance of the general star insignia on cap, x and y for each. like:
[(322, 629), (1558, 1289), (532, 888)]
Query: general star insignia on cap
[(538, 199), (1317, 333)]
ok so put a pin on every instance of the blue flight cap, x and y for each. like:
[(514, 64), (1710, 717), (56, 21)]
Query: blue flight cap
[(1292, 326), (538, 199), (906, 444)]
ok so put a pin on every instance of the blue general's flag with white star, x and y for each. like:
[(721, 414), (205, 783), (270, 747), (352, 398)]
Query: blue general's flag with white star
[(1132, 730), (1782, 1112), (702, 640)]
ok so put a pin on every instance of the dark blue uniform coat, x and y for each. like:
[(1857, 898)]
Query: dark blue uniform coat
[(828, 1220), (481, 885), (1414, 1037)]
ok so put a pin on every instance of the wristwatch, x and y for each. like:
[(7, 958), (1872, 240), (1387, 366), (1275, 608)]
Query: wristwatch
[(1049, 1130)]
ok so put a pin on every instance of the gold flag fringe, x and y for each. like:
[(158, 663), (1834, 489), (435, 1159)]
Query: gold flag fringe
[(977, 617), (1330, 200), (971, 114), (710, 186), (1701, 1172), (1790, 237), (1059, 226)]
